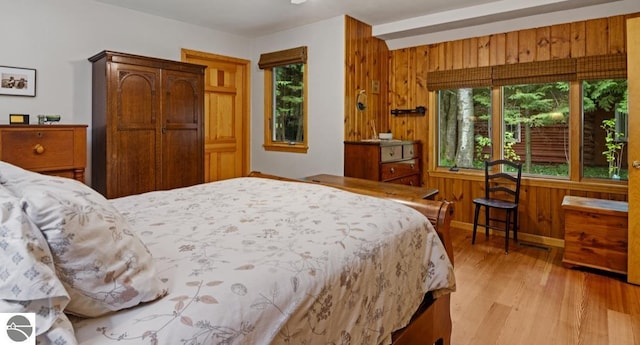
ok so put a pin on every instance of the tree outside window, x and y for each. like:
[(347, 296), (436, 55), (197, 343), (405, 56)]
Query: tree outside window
[(541, 112), (288, 104), (604, 137), (464, 131)]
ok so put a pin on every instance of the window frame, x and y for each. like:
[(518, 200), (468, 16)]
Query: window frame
[(606, 66), (267, 62), (269, 95)]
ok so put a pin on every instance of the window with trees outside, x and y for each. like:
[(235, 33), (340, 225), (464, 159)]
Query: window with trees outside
[(463, 117), (542, 110), (285, 105), (604, 132)]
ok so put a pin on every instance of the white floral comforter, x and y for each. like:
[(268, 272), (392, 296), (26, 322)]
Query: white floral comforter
[(259, 261)]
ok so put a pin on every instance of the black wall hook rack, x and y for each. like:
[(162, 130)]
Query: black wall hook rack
[(420, 110)]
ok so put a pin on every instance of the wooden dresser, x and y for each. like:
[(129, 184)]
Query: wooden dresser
[(59, 150), (595, 233), (394, 161)]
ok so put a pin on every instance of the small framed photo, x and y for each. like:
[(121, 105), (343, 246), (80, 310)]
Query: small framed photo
[(17, 81)]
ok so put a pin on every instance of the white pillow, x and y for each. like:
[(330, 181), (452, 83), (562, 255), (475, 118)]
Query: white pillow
[(28, 283), (98, 257)]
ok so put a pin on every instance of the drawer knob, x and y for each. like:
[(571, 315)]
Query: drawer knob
[(38, 149), (413, 166), (393, 170)]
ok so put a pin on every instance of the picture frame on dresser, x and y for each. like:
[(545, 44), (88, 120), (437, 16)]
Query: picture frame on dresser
[(17, 81)]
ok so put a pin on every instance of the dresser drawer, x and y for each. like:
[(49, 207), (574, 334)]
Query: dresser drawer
[(399, 169), (390, 153), (410, 151), (38, 149)]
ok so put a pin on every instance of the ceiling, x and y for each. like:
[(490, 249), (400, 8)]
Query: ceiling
[(390, 18)]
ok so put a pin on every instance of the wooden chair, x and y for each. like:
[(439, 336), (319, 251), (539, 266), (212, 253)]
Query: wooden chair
[(502, 191)]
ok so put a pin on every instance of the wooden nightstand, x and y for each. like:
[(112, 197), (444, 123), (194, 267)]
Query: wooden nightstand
[(59, 150)]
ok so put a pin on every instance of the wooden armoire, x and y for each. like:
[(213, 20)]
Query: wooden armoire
[(147, 129)]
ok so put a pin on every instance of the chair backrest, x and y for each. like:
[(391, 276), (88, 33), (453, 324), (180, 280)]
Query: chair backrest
[(501, 182)]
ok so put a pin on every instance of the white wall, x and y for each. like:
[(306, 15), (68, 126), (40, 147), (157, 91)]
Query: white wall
[(57, 37), (325, 62)]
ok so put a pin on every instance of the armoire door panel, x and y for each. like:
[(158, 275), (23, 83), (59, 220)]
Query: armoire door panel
[(136, 93), (182, 126), (133, 163), (176, 152), (183, 100)]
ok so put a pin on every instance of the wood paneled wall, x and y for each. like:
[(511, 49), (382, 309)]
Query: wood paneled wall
[(540, 214), (366, 62)]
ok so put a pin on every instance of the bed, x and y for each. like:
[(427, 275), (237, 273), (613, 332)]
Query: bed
[(254, 260)]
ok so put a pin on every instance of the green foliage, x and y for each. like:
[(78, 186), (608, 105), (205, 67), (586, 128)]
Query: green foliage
[(289, 101), (605, 94), (481, 143), (508, 152), (615, 147)]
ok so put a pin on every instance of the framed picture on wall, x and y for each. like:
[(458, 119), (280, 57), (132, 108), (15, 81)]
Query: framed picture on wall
[(17, 81)]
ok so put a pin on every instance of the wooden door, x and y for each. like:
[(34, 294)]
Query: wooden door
[(182, 134), (132, 160), (633, 77), (226, 114)]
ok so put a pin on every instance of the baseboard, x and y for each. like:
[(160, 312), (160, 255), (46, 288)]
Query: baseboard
[(537, 239)]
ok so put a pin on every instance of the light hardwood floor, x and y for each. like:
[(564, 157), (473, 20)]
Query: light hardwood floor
[(528, 297)]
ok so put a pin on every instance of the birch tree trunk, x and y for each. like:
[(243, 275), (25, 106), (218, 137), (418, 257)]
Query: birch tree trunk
[(451, 126), (464, 156)]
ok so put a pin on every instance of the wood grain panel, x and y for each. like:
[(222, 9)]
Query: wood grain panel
[(527, 45), (457, 50), (366, 61), (484, 51), (633, 44), (560, 41), (578, 41), (498, 49), (511, 47), (543, 43), (617, 35), (470, 53), (597, 37)]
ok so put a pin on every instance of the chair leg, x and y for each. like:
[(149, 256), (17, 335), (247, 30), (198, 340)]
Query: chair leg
[(515, 225), (506, 233), (486, 221), (475, 224)]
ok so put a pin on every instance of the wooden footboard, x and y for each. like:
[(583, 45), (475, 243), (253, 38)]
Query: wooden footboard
[(431, 324)]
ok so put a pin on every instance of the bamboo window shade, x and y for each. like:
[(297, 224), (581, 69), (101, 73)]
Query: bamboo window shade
[(283, 57), (602, 67), (538, 72), (459, 78)]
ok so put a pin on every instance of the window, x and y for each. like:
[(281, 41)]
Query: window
[(604, 132), (531, 105), (285, 112), (464, 131), (541, 112)]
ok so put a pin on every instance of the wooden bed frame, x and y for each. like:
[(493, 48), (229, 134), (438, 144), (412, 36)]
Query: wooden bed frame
[(432, 322)]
